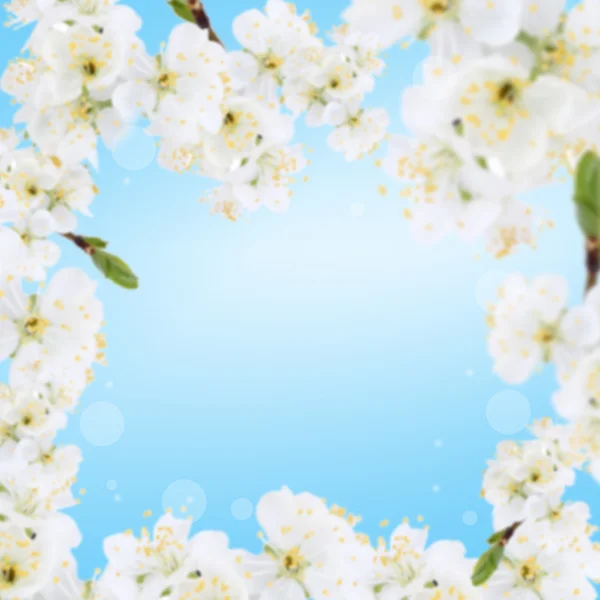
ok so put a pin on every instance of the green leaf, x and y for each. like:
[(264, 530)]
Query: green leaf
[(487, 564), (182, 10), (588, 219), (587, 194), (115, 269), (96, 242)]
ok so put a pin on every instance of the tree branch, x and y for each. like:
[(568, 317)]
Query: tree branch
[(509, 532), (202, 20), (80, 242), (592, 262)]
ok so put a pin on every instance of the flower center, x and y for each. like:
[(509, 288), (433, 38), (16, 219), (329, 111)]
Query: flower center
[(9, 574), (230, 119), (507, 93), (32, 189), (167, 81), (535, 476), (292, 561), (83, 109), (90, 68), (335, 82), (529, 572), (35, 326), (272, 62), (438, 7), (545, 335)]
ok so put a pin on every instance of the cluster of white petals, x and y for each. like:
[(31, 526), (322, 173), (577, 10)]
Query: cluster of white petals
[(53, 340), (228, 116), (531, 325), (508, 97), (551, 553)]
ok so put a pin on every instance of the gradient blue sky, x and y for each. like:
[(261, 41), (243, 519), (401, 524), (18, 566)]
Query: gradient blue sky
[(314, 349)]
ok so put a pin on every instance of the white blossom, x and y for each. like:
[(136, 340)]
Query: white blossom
[(530, 324), (519, 477)]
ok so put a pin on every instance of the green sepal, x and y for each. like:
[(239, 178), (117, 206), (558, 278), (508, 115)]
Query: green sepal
[(182, 10), (96, 242)]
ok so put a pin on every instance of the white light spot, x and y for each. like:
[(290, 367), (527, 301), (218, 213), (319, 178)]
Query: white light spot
[(508, 412), (470, 518), (242, 509), (185, 499), (136, 151), (102, 424)]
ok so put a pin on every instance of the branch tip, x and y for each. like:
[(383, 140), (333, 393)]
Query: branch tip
[(80, 242), (203, 21), (592, 262)]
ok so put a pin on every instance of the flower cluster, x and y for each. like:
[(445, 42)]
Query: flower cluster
[(530, 325), (249, 101), (508, 96), (53, 339), (228, 116), (550, 549), (40, 196), (308, 551)]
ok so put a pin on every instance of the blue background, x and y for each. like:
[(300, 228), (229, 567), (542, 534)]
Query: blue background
[(313, 349)]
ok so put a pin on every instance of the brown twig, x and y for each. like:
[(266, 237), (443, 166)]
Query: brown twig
[(509, 532), (197, 8), (80, 242), (592, 262)]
